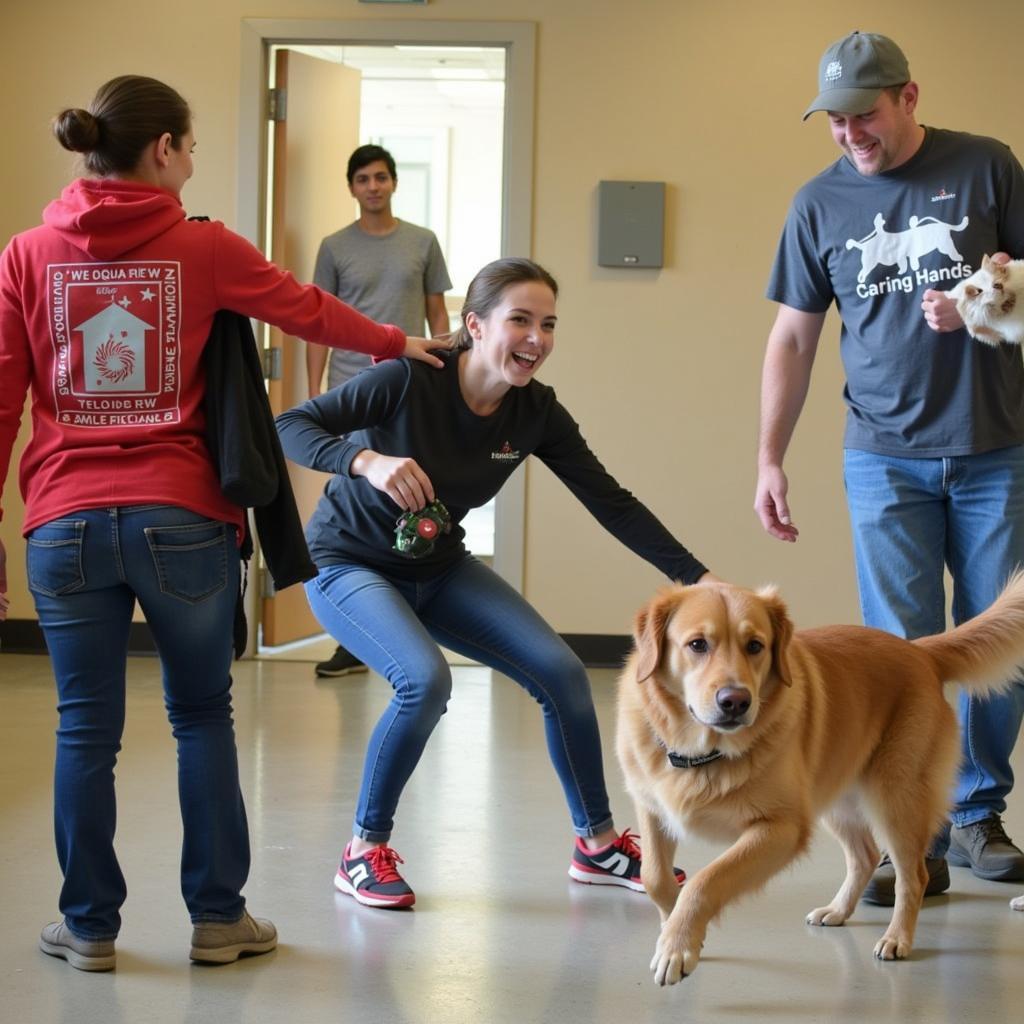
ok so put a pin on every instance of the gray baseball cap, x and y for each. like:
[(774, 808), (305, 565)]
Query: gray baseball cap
[(854, 71)]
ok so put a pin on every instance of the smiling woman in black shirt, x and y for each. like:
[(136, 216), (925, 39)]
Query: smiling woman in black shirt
[(399, 436)]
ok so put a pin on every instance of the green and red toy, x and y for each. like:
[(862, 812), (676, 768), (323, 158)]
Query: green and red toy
[(415, 532)]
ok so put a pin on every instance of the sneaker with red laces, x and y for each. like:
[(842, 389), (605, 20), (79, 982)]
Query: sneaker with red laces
[(373, 878), (618, 863)]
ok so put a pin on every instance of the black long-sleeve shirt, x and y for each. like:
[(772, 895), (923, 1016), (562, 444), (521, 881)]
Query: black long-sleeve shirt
[(408, 409)]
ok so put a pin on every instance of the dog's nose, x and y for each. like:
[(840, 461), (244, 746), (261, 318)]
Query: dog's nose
[(733, 700)]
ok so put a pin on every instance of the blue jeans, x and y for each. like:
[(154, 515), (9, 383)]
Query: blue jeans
[(912, 518), (395, 626), (86, 571)]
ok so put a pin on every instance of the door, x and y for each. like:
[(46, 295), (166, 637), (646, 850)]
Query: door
[(315, 130)]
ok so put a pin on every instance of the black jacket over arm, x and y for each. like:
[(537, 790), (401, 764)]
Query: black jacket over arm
[(246, 451)]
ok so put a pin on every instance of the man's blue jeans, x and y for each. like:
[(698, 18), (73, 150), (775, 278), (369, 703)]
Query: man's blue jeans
[(911, 519), (395, 626), (85, 571)]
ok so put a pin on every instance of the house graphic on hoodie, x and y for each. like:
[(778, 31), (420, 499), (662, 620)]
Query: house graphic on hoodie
[(114, 350)]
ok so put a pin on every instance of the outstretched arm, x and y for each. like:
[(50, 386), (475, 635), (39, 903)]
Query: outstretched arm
[(792, 345), (565, 452)]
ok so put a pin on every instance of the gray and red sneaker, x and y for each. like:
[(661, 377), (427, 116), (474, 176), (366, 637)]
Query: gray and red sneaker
[(373, 878), (618, 863)]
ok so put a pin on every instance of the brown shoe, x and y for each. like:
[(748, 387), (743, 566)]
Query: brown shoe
[(84, 954), (217, 942)]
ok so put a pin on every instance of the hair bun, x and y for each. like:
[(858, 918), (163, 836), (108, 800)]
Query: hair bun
[(77, 130)]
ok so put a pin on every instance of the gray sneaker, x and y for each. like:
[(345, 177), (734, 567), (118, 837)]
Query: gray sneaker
[(85, 954), (214, 942), (881, 888), (987, 850)]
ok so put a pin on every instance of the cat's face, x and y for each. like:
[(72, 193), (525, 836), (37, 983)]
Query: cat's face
[(987, 287)]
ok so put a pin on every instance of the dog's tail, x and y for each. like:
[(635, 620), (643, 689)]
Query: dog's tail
[(985, 653)]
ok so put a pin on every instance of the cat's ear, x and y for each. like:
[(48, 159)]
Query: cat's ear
[(987, 264)]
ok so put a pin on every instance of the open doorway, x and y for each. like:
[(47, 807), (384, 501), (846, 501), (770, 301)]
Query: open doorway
[(486, 69), (440, 112)]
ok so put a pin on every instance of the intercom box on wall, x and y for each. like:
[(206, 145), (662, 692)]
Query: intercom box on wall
[(630, 223)]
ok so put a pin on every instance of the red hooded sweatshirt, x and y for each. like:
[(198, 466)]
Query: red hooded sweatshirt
[(104, 313)]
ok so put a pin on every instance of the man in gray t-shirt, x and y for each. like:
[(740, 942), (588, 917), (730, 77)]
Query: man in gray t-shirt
[(391, 271), (934, 442)]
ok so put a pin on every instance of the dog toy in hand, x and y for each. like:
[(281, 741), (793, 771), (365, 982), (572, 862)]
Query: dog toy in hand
[(415, 532)]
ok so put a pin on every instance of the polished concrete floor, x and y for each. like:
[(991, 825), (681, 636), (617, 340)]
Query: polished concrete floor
[(499, 933)]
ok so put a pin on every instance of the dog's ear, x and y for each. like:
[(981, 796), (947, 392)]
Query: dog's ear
[(782, 633), (649, 632)]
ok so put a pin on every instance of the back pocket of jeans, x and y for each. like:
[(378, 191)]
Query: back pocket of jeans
[(190, 560), (54, 558)]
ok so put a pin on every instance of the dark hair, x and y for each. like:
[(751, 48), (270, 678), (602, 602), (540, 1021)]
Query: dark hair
[(368, 155), (126, 114), (486, 289)]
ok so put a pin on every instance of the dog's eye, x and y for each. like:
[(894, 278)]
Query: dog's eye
[(698, 646), (754, 647)]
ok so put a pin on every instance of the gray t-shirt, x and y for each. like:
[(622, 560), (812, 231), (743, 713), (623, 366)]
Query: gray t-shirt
[(873, 245), (385, 277)]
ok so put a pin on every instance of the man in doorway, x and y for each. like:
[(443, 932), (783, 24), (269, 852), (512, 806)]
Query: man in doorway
[(934, 443), (388, 269)]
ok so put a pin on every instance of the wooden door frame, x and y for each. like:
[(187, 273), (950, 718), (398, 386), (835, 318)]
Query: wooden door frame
[(519, 41)]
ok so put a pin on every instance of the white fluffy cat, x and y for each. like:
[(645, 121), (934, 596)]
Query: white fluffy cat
[(991, 302)]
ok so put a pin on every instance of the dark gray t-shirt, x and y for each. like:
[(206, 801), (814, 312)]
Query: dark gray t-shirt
[(406, 408), (873, 245), (385, 277)]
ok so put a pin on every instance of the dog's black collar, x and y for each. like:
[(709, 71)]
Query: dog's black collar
[(682, 761)]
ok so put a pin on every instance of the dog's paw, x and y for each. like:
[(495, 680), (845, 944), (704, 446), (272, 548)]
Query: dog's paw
[(1017, 903), (671, 963), (891, 947), (830, 916)]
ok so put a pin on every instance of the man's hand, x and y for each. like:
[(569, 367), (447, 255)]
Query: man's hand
[(316, 363), (4, 602), (940, 311), (771, 506)]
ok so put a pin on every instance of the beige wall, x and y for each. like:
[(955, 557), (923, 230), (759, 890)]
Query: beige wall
[(661, 369)]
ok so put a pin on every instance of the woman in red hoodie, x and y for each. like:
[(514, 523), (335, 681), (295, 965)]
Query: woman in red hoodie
[(104, 312)]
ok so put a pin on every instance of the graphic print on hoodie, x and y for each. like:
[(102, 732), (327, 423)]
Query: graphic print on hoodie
[(115, 334)]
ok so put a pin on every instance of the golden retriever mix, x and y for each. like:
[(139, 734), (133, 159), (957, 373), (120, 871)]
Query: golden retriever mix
[(733, 726)]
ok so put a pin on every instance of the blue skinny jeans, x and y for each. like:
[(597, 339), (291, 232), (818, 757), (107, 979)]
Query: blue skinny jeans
[(395, 627)]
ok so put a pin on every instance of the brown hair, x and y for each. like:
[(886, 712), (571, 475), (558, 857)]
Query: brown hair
[(486, 289), (126, 114)]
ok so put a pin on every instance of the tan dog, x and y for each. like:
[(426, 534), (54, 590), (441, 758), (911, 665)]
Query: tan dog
[(733, 726)]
